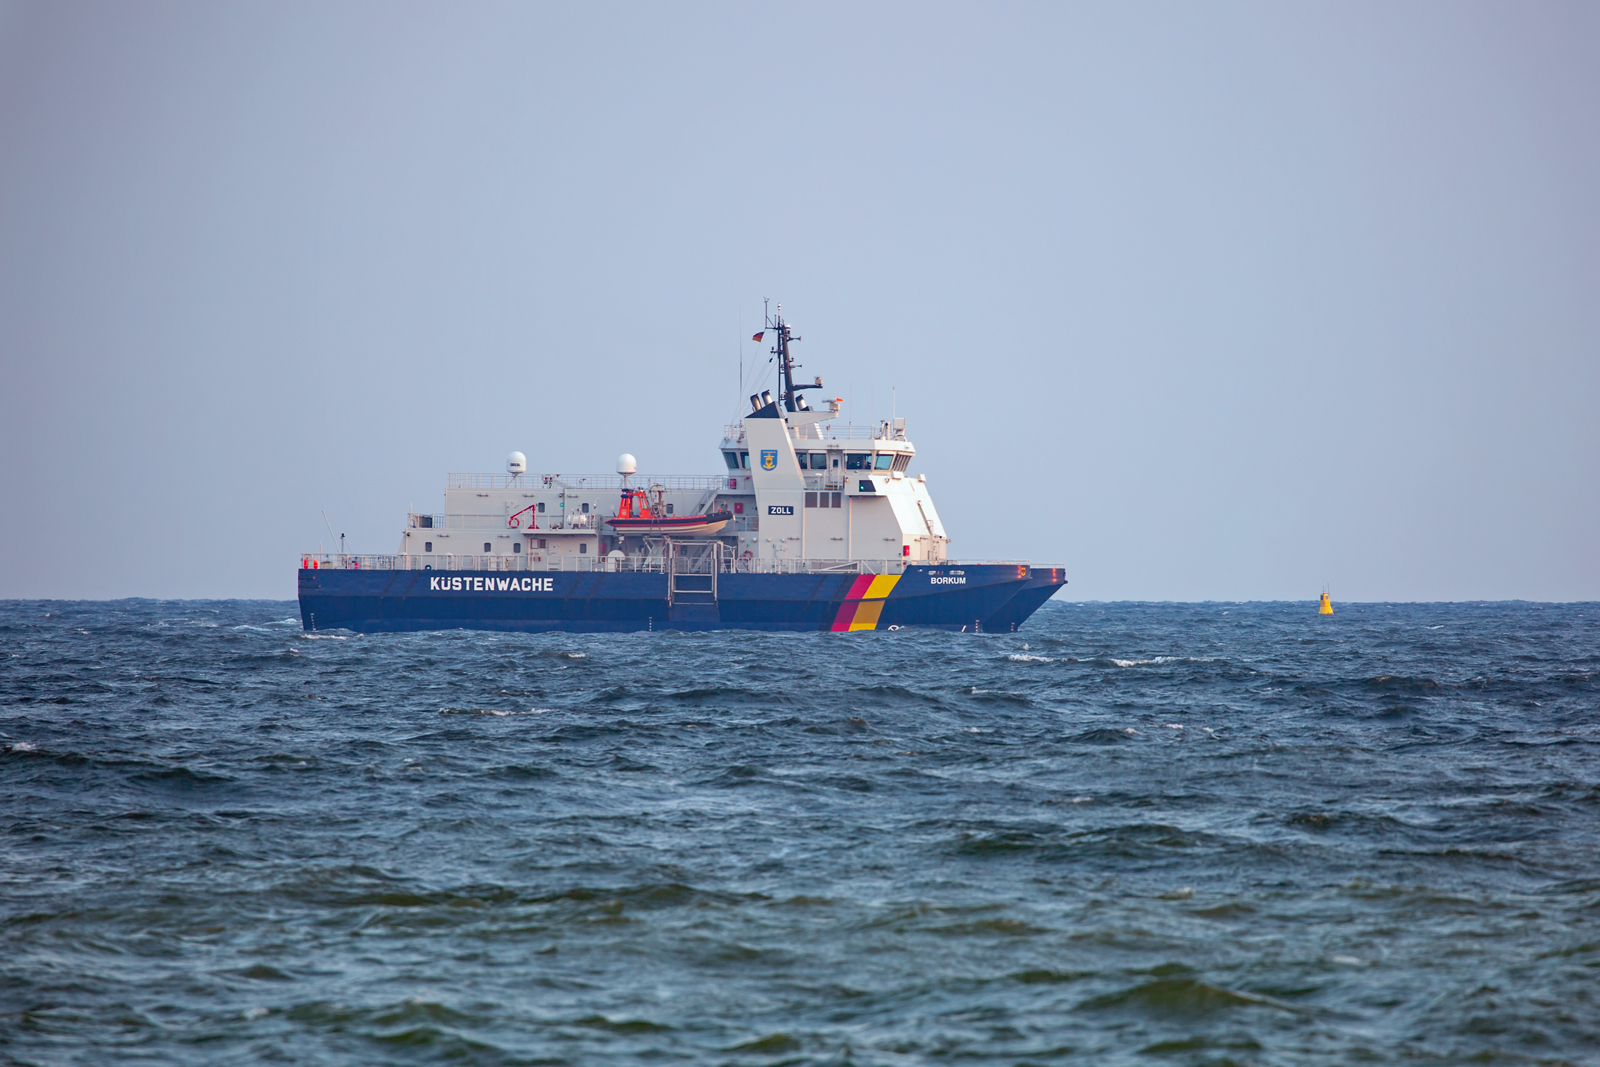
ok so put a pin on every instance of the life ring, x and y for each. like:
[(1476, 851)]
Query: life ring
[(747, 554)]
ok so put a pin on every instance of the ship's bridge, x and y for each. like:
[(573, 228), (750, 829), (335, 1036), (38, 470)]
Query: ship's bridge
[(849, 448), (818, 489)]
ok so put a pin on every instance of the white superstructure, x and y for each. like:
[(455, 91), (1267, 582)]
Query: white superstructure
[(801, 489), (826, 493), (831, 493)]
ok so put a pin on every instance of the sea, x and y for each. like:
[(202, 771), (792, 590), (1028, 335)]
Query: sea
[(1125, 834)]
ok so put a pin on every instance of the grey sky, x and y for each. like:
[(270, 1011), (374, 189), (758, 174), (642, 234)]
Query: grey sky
[(1203, 301)]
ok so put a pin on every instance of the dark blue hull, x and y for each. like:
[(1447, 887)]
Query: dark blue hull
[(947, 597), (1042, 585)]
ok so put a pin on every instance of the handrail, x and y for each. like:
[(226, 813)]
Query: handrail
[(458, 480), (652, 564), (829, 431)]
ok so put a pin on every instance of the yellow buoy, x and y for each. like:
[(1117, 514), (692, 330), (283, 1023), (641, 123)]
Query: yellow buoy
[(1326, 607)]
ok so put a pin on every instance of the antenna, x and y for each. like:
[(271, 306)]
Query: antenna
[(788, 392)]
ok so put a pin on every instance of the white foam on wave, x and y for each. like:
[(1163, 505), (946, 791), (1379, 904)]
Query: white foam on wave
[(1173, 725), (24, 746), (1023, 657), (1162, 661), (325, 637), (475, 711)]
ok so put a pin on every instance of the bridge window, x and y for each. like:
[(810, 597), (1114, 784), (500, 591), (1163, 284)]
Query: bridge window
[(858, 461), (902, 460), (819, 461), (733, 460), (744, 460), (883, 461)]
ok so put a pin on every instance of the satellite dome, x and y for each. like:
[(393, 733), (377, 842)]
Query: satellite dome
[(517, 463), (626, 464)]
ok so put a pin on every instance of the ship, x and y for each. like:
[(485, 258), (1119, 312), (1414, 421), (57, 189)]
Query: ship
[(813, 525)]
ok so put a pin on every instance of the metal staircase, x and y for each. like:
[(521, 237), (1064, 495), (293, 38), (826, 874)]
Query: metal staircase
[(692, 569)]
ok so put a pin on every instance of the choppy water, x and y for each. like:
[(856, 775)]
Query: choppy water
[(1129, 834)]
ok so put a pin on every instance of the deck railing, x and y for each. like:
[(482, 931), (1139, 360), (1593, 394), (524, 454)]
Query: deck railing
[(830, 431), (578, 481), (653, 564), (500, 522)]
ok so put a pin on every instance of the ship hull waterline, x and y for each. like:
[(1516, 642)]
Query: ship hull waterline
[(974, 597)]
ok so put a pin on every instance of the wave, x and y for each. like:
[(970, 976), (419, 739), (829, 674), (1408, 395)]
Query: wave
[(1182, 996)]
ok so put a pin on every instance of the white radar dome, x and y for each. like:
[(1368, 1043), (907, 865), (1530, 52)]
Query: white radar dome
[(517, 463), (626, 464)]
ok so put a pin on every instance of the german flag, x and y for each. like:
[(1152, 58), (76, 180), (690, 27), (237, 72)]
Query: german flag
[(759, 336)]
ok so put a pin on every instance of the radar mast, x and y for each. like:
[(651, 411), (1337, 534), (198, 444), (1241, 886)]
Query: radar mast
[(784, 335)]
